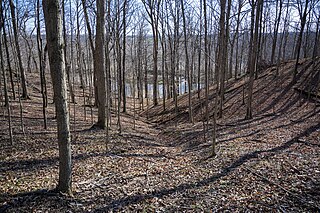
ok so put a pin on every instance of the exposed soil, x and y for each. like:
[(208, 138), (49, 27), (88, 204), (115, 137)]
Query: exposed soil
[(162, 164)]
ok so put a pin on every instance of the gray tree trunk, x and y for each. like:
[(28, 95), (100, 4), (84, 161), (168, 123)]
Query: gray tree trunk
[(53, 22)]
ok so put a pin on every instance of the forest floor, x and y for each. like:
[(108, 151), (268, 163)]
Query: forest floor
[(163, 163)]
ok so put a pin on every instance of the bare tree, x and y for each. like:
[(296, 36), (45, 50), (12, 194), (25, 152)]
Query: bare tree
[(8, 56), (90, 36), (67, 65), (276, 28), (99, 63), (53, 22), (41, 55), (253, 56), (187, 65), (124, 23), (25, 94), (152, 8), (206, 58), (303, 12), (5, 78)]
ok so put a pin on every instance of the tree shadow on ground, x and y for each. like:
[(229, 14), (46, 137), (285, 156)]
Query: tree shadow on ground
[(38, 200), (44, 200), (34, 164), (133, 199)]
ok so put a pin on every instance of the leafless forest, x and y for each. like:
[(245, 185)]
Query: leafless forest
[(159, 106)]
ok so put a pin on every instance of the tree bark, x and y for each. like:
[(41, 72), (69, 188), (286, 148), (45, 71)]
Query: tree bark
[(298, 45), (253, 58), (25, 94), (275, 33), (53, 22), (8, 56), (41, 65), (5, 79), (187, 65), (124, 22), (99, 63)]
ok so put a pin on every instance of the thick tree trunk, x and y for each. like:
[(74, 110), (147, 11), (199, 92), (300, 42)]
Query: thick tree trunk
[(53, 21)]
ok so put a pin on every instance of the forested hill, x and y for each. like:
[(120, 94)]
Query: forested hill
[(159, 106), (162, 162), (275, 92)]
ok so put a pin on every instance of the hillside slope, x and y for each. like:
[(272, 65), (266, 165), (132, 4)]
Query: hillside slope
[(271, 94), (270, 163)]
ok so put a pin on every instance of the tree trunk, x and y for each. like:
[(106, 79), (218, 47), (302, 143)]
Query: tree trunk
[(223, 48), (53, 21), (8, 57), (99, 63), (298, 46), (252, 59), (235, 39), (5, 78), (199, 52), (86, 16), (25, 94), (206, 60), (187, 65), (67, 65), (275, 33), (152, 9), (41, 65), (124, 98)]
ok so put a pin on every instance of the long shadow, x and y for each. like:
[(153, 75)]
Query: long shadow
[(279, 97), (133, 199), (198, 146), (43, 197), (138, 155), (242, 122), (278, 81), (186, 138), (141, 140), (297, 121), (286, 89), (32, 164)]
